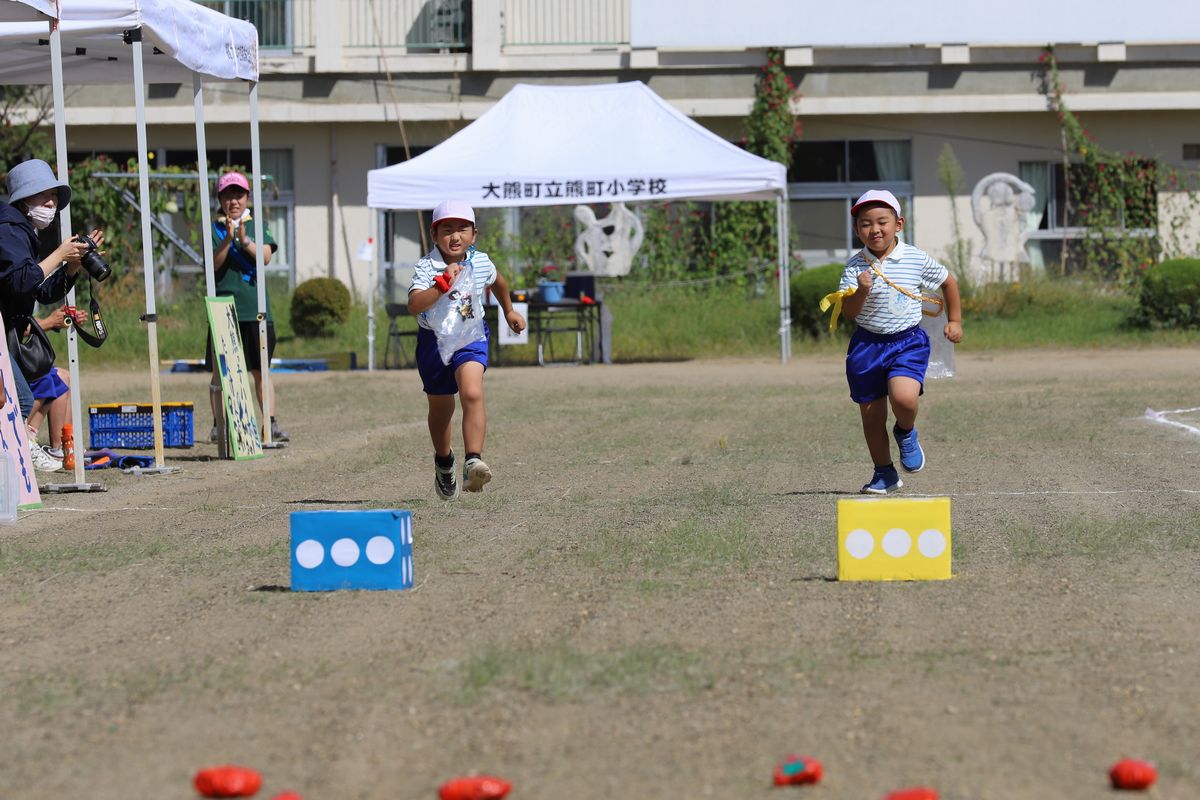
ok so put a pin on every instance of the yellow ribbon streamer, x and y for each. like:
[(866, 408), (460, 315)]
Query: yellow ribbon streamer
[(835, 299)]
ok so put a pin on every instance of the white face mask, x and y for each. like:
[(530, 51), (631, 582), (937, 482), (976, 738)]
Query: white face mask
[(41, 216)]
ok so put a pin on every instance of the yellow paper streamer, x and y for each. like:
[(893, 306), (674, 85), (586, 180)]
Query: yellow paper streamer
[(835, 299)]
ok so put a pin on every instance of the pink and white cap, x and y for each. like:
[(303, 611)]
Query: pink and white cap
[(232, 179), (453, 209), (876, 196)]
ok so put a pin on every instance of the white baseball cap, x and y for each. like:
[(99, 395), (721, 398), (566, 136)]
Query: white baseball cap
[(876, 196), (453, 209)]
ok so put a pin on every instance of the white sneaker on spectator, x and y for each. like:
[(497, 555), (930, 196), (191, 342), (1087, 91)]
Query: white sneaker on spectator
[(43, 461)]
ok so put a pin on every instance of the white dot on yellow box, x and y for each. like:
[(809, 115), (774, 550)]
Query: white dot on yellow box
[(894, 539)]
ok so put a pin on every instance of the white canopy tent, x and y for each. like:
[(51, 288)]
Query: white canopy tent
[(565, 145), (110, 41)]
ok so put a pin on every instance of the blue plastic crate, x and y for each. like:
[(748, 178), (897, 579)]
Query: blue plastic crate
[(131, 425)]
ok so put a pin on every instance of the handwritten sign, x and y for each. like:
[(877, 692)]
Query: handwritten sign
[(506, 335), (236, 385), (14, 443)]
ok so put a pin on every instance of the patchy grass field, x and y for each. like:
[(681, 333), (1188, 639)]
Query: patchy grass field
[(640, 605)]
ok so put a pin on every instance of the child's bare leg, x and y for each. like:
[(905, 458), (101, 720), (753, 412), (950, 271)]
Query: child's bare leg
[(441, 413), (470, 394), (60, 411), (874, 422), (904, 393)]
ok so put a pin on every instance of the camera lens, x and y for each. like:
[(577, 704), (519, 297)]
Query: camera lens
[(92, 262)]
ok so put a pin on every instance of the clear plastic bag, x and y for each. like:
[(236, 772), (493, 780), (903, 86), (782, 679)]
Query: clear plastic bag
[(457, 316), (941, 349)]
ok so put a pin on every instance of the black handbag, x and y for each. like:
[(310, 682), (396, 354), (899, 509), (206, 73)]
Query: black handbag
[(31, 348)]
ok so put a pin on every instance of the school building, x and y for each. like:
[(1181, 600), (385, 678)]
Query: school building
[(346, 83)]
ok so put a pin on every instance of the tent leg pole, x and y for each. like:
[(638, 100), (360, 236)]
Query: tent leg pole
[(139, 89), (785, 295), (264, 358), (64, 219), (372, 287)]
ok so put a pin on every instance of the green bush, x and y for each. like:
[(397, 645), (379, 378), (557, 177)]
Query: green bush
[(808, 287), (1169, 295), (318, 305)]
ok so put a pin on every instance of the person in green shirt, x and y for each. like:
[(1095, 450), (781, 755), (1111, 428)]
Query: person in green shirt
[(234, 250)]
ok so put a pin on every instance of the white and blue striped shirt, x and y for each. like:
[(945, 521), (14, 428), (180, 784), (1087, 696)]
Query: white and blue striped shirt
[(432, 265), (887, 310)]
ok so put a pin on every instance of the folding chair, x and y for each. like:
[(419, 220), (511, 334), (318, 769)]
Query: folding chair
[(395, 355)]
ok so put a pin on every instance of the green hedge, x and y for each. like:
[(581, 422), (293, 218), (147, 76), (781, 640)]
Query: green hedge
[(1169, 296), (808, 287)]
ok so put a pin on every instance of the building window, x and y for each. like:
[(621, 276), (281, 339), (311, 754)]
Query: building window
[(1054, 222), (825, 179), (279, 195), (1191, 152)]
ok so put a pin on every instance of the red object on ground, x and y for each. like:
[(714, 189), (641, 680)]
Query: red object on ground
[(915, 793), (796, 770), (227, 781), (287, 796), (1130, 773), (476, 787)]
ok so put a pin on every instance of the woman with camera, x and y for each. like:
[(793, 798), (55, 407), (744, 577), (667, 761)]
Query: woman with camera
[(35, 195)]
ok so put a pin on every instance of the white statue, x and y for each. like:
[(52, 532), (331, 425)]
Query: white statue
[(1001, 204), (607, 246)]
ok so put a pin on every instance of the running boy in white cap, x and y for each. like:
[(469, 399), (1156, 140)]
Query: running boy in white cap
[(889, 353), (454, 233)]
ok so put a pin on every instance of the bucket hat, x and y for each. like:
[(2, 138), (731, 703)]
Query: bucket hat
[(453, 209), (876, 196), (34, 177), (232, 179)]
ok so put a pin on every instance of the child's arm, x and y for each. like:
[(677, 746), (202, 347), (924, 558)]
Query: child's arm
[(953, 329), (852, 306), (423, 299), (501, 293)]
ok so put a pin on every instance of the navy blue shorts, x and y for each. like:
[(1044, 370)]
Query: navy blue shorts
[(438, 378), (874, 358)]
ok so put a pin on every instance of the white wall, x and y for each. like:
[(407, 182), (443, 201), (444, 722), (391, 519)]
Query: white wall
[(799, 23)]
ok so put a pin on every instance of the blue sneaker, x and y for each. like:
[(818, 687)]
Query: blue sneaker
[(912, 457), (885, 480)]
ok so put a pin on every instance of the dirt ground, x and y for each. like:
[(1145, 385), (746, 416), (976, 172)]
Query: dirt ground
[(642, 604)]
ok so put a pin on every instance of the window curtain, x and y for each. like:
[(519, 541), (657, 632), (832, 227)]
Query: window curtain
[(893, 160), (1037, 175)]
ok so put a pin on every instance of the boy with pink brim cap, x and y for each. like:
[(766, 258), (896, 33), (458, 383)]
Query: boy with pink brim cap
[(454, 235), (881, 290)]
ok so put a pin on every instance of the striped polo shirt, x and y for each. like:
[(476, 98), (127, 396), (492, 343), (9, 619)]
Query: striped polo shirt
[(432, 265), (887, 310)]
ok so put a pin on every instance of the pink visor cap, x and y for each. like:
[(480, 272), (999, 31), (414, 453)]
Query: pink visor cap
[(876, 196), (453, 209), (232, 179)]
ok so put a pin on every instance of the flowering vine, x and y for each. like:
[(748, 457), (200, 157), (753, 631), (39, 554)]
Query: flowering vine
[(1114, 196)]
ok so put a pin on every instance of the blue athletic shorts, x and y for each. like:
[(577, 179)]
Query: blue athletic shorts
[(438, 378), (874, 358)]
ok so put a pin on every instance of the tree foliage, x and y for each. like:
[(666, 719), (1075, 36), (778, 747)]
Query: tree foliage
[(743, 233)]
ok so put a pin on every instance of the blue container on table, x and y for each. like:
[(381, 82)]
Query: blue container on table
[(551, 291)]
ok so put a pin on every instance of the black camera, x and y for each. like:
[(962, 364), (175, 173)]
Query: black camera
[(96, 266)]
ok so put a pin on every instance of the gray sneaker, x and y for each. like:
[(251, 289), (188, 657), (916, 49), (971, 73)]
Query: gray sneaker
[(475, 474), (445, 481), (278, 434)]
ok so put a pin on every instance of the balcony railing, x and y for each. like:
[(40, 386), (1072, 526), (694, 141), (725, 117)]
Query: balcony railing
[(281, 23), (435, 25), (415, 25), (566, 22)]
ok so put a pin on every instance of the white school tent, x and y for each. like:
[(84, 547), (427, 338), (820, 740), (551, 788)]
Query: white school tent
[(111, 42), (564, 145)]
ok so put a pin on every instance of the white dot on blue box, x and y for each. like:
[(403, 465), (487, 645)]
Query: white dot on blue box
[(351, 550)]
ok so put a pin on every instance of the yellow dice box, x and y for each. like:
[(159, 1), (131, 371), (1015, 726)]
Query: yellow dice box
[(885, 539)]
